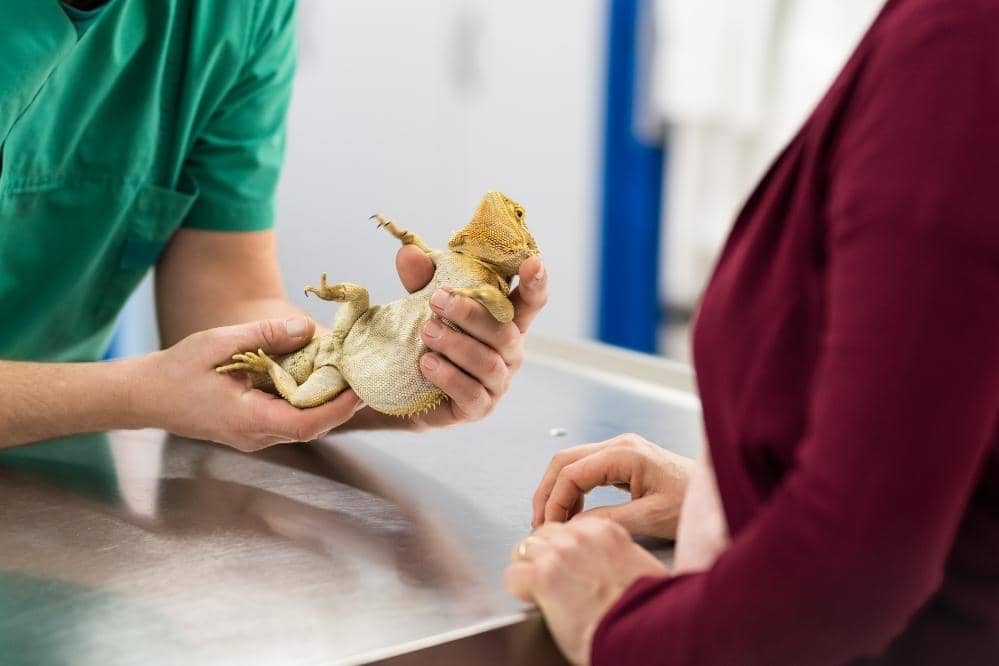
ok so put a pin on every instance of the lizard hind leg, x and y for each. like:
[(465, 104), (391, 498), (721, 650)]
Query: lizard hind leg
[(492, 299), (259, 363), (298, 364), (324, 384)]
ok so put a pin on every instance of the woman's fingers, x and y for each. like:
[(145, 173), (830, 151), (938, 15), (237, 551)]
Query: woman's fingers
[(558, 461), (611, 465), (645, 515), (519, 579), (578, 507)]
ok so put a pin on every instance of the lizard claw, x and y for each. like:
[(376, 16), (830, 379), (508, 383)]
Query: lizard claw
[(323, 288)]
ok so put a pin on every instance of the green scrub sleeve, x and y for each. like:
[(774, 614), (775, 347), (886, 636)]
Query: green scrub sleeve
[(37, 37), (236, 160)]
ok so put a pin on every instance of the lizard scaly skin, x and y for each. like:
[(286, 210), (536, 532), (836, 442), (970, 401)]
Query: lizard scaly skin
[(376, 349)]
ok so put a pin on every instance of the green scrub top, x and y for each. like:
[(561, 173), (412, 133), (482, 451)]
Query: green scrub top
[(82, 18), (162, 114)]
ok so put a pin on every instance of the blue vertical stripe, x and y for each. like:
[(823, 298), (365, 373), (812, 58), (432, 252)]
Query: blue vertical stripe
[(630, 210)]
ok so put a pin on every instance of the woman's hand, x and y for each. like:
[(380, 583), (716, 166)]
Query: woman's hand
[(656, 478), (181, 392), (574, 573), (473, 366)]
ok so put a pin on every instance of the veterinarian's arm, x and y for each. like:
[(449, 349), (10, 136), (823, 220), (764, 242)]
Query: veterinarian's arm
[(175, 389), (210, 278), (204, 280), (473, 368)]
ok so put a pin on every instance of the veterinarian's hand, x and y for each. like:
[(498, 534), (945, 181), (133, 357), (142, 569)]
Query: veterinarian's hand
[(473, 367), (186, 396)]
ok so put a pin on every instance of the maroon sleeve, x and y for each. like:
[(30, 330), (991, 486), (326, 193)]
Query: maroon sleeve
[(905, 398)]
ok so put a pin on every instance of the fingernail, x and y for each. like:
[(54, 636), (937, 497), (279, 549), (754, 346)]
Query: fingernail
[(440, 299), (429, 361), (540, 275), (359, 406), (432, 329), (296, 326)]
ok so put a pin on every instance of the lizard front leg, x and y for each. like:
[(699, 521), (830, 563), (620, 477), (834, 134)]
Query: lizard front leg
[(405, 236), (354, 297), (492, 299)]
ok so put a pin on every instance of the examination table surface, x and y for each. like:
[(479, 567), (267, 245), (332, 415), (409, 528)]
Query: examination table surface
[(367, 547)]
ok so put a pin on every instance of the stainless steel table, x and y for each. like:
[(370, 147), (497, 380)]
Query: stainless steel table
[(136, 547)]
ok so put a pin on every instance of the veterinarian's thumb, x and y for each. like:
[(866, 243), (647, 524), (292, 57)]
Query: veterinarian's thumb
[(277, 336), (415, 268)]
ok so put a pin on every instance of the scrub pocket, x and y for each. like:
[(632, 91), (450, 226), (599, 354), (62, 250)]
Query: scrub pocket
[(154, 216), (73, 247)]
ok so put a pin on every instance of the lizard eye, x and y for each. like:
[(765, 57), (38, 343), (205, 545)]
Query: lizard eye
[(520, 213)]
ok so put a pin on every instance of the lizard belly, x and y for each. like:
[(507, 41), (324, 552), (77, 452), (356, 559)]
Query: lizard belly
[(380, 358)]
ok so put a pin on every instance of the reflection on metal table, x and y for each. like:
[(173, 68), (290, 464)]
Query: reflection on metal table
[(134, 546)]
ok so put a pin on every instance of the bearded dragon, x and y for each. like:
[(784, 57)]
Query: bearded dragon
[(375, 349)]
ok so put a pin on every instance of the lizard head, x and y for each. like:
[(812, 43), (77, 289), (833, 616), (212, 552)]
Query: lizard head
[(496, 235)]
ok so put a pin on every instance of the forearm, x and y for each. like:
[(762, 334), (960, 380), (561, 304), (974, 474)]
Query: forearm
[(46, 400), (206, 279), (177, 323)]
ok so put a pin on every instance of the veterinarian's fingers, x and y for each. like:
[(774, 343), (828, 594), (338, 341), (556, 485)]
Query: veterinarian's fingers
[(469, 398), (414, 267), (475, 320), (531, 293), (277, 336), (277, 418), (478, 360)]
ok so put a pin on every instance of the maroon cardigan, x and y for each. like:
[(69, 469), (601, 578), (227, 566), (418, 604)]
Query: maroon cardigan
[(847, 353)]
